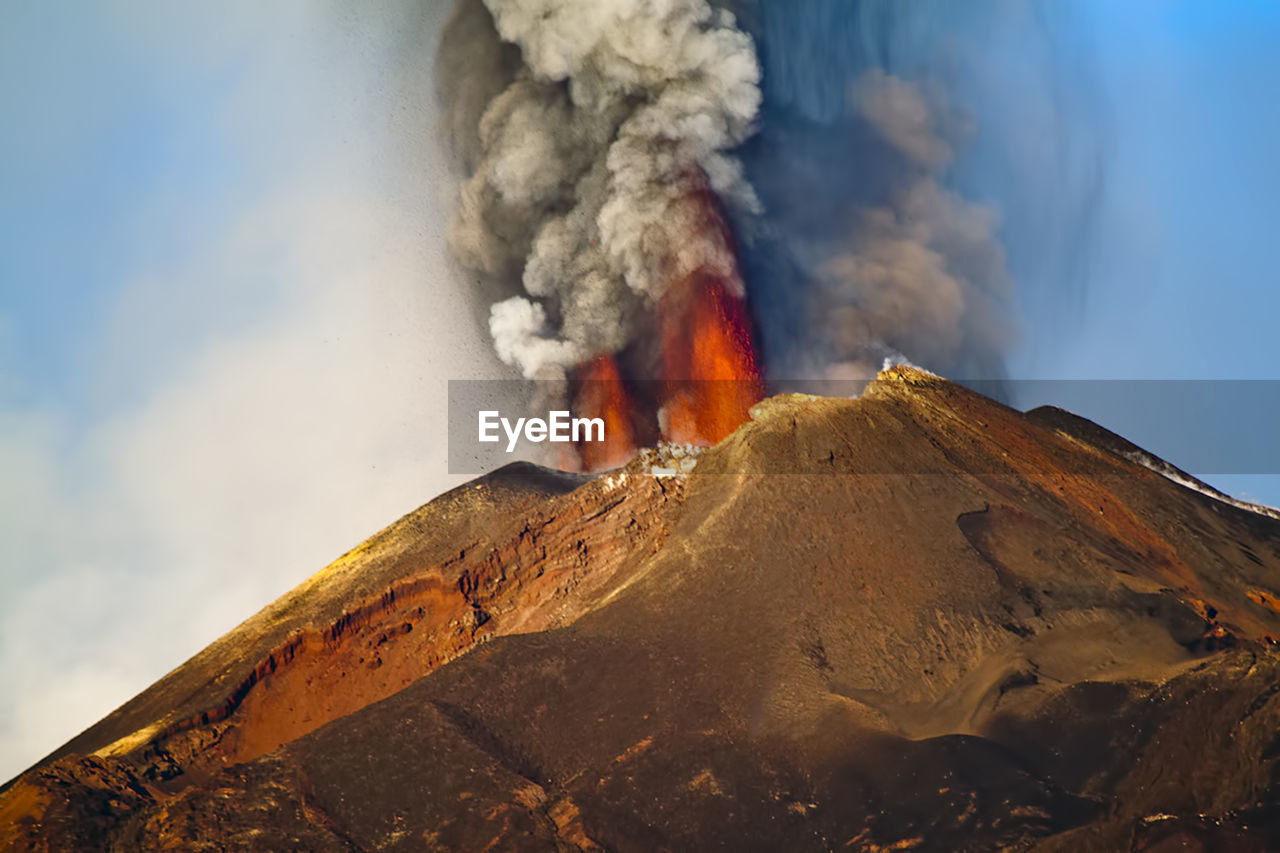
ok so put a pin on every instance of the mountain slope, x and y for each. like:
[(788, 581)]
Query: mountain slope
[(916, 620)]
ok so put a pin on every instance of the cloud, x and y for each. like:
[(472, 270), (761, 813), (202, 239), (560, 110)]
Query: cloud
[(268, 372)]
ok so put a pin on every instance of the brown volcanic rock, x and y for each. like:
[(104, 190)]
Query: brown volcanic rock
[(917, 620)]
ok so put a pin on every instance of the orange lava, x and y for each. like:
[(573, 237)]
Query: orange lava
[(709, 360), (703, 355), (601, 393)]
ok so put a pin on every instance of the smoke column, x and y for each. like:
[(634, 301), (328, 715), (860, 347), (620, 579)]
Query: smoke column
[(588, 160), (915, 159), (796, 172)]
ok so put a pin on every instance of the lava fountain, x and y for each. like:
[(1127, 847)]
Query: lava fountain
[(706, 365), (601, 393), (712, 377)]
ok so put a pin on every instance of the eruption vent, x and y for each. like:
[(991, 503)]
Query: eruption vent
[(617, 238)]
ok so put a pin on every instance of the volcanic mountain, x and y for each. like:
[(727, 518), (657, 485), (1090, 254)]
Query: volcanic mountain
[(917, 620)]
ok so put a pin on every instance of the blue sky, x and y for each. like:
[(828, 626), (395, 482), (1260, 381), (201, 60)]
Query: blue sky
[(1185, 283), (95, 130), (1188, 280), (224, 315)]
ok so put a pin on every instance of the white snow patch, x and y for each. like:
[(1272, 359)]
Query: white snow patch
[(1172, 474)]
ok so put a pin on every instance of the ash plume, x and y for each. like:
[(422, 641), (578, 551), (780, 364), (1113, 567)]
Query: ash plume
[(832, 137), (918, 272), (915, 161), (586, 162)]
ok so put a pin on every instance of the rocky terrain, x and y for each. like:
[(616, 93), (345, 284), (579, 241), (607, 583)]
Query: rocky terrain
[(918, 620)]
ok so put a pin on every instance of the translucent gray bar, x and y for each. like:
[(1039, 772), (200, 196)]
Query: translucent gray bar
[(1204, 427)]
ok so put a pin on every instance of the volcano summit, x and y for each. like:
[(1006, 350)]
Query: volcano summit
[(918, 620)]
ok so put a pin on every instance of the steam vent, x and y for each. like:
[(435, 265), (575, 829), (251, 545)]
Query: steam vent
[(917, 620)]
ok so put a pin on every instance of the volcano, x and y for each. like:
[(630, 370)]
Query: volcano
[(916, 620)]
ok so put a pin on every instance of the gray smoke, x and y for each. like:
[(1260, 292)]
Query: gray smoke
[(590, 132), (586, 162), (920, 274)]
